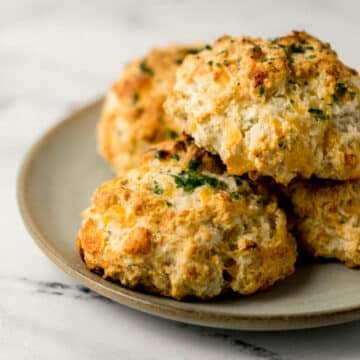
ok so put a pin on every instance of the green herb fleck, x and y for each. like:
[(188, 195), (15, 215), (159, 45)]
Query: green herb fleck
[(173, 134), (210, 63), (161, 154), (168, 203), (124, 182), (193, 51), (208, 47), (146, 69), (179, 61), (157, 189), (256, 48), (135, 98), (297, 49), (257, 52), (293, 49), (340, 91), (318, 114), (235, 195), (261, 90), (238, 180), (189, 180), (194, 164), (175, 157), (292, 84)]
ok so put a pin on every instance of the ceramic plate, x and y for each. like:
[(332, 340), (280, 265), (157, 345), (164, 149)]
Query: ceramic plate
[(55, 184)]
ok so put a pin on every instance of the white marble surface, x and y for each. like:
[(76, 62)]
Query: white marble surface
[(56, 55)]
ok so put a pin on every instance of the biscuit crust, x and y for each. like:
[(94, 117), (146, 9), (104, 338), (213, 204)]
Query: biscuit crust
[(327, 218), (281, 107), (133, 118), (178, 226)]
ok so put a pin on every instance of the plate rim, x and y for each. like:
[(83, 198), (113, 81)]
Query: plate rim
[(137, 300)]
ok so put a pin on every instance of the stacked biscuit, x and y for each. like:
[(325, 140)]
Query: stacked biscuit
[(206, 140)]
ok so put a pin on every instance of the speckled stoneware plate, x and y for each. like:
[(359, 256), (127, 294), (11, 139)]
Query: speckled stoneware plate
[(55, 184)]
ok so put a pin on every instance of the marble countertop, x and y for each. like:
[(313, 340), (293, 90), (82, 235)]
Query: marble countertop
[(57, 55)]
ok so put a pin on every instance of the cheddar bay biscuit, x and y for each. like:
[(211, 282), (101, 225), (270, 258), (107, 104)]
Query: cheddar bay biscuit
[(133, 118), (178, 226), (326, 217), (282, 107)]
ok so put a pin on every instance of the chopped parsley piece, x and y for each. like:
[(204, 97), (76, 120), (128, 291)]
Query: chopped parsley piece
[(261, 90), (210, 63), (173, 134), (189, 180), (175, 156), (208, 47), (294, 49), (193, 51), (238, 180), (340, 91), (146, 69), (318, 114), (161, 154), (257, 52), (235, 195), (157, 189), (178, 61), (281, 144), (136, 98), (194, 165), (168, 203), (124, 182), (292, 84), (256, 49), (297, 49)]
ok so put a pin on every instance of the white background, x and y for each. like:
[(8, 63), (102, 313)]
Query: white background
[(56, 55)]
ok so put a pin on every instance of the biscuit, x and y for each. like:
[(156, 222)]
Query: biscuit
[(326, 217), (132, 118), (178, 226), (279, 108)]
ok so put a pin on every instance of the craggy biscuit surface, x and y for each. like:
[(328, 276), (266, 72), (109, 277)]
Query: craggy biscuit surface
[(282, 107), (133, 117), (327, 218), (178, 226)]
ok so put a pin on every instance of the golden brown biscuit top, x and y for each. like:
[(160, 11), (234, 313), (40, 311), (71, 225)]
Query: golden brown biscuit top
[(271, 107), (143, 87), (256, 69)]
